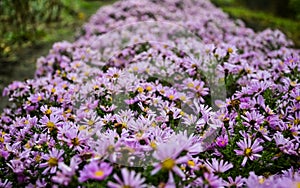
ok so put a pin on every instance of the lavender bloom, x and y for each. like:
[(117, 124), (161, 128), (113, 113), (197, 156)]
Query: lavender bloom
[(95, 171), (52, 160), (222, 141), (208, 180), (168, 154), (253, 119), (129, 179), (218, 166), (237, 182), (248, 150), (65, 175)]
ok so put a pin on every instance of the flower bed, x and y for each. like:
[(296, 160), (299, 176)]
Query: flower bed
[(157, 94)]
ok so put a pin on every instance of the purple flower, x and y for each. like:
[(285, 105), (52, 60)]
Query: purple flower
[(208, 180), (95, 171), (51, 123), (249, 150), (237, 182), (255, 181), (168, 155), (253, 119), (5, 183), (219, 166), (52, 160), (222, 141), (129, 179), (65, 175)]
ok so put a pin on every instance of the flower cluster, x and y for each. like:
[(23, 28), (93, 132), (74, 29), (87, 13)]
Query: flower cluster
[(168, 93)]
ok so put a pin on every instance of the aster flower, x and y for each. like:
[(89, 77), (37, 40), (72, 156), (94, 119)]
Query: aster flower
[(168, 155), (222, 141), (208, 180), (51, 123), (52, 160), (95, 171), (75, 138), (218, 166), (129, 179), (255, 181), (64, 176), (237, 182), (5, 183), (248, 150), (253, 119)]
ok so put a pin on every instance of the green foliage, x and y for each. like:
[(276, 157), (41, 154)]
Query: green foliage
[(294, 6), (260, 20)]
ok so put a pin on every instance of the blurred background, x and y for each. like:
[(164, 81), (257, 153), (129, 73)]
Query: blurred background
[(262, 14), (28, 28)]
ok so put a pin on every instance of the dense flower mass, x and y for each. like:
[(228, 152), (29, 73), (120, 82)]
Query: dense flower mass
[(168, 93)]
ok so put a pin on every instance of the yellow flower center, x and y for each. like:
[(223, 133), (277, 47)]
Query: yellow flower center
[(51, 126), (1, 139), (168, 164), (153, 145), (140, 89), (38, 158), (148, 88), (110, 149), (190, 85), (135, 68), (297, 184), (261, 180), (116, 75), (191, 163), (96, 87), (248, 151), (75, 141), (229, 50), (90, 122), (297, 121), (293, 84), (48, 111), (82, 127), (294, 133), (52, 161), (183, 98), (171, 97), (39, 98), (27, 145), (99, 173)]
